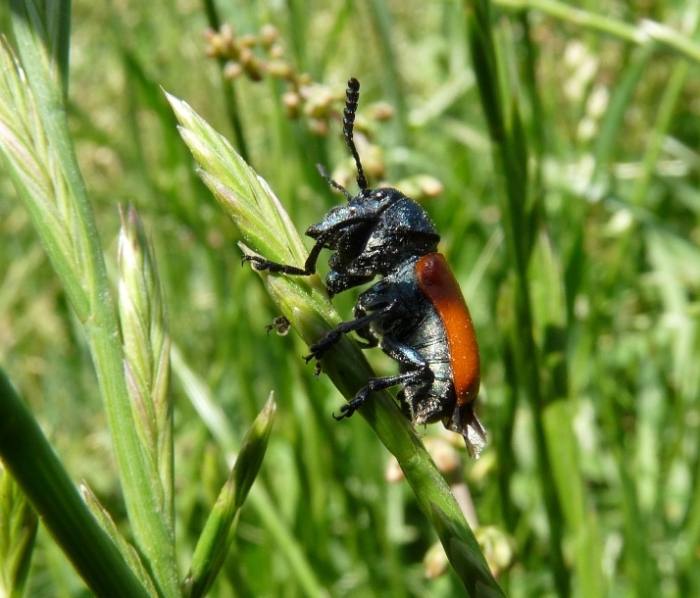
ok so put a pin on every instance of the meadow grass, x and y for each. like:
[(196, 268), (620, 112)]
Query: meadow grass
[(565, 141)]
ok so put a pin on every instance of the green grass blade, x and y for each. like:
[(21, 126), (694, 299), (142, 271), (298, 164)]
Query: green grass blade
[(461, 551), (585, 532), (647, 32), (520, 222), (28, 456), (578, 16), (218, 534), (382, 21), (613, 120), (18, 527), (128, 552), (669, 99)]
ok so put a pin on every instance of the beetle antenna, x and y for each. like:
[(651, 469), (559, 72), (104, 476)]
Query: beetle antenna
[(352, 95), (332, 183)]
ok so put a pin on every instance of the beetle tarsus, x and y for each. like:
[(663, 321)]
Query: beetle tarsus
[(281, 323), (350, 407)]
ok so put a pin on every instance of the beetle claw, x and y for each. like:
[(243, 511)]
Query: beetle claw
[(345, 411)]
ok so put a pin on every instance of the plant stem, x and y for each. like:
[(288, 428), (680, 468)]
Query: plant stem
[(510, 165)]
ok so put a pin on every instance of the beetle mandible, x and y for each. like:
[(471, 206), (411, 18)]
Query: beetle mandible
[(415, 313)]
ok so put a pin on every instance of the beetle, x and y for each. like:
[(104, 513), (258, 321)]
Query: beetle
[(415, 312)]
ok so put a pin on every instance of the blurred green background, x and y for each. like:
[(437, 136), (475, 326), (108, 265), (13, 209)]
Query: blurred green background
[(611, 122)]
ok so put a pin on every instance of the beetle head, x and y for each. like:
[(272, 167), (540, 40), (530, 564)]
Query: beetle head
[(377, 230)]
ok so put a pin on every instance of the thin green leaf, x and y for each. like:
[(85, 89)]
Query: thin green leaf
[(613, 120), (510, 166), (18, 527), (127, 551), (646, 32), (216, 538)]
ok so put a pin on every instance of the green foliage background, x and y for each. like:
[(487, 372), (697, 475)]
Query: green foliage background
[(610, 113)]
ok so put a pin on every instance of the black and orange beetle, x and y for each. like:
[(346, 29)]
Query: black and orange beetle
[(416, 312)]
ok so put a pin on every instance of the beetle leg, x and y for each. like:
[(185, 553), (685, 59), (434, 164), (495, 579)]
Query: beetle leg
[(371, 300), (408, 356), (420, 372), (261, 264), (365, 332), (319, 349), (371, 340), (375, 385)]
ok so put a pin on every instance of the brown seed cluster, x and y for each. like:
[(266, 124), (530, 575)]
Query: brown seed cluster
[(258, 55)]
